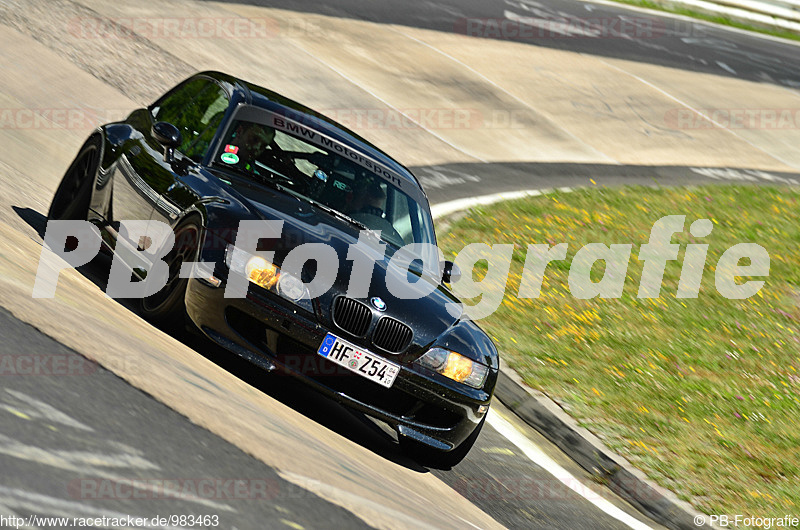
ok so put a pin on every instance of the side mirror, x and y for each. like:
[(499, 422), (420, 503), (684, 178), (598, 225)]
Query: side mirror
[(450, 272), (168, 136)]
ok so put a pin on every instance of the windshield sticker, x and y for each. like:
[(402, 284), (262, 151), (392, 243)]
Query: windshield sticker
[(341, 185), (319, 139), (292, 127), (231, 149), (229, 158)]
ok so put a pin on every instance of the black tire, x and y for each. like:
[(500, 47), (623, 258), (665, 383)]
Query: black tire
[(167, 308), (71, 200), (430, 457)]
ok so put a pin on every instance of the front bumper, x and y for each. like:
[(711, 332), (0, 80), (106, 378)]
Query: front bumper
[(271, 332)]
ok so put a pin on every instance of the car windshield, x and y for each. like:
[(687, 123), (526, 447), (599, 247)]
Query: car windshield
[(320, 170)]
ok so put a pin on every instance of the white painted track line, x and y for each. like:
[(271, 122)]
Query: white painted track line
[(442, 209), (537, 456)]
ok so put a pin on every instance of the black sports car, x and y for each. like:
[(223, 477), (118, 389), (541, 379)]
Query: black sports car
[(216, 151)]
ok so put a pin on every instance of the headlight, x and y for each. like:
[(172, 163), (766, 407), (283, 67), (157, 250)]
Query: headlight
[(454, 366), (291, 288), (261, 272), (264, 274)]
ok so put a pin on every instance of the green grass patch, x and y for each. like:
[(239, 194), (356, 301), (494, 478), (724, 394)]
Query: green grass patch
[(668, 7), (703, 394)]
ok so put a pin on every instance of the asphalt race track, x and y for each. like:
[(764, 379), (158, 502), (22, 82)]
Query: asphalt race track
[(101, 414), (671, 42)]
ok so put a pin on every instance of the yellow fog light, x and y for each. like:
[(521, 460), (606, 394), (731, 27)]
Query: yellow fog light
[(268, 276), (458, 368), (261, 272), (454, 366)]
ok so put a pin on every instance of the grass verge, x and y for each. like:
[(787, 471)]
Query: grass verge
[(702, 394), (708, 17)]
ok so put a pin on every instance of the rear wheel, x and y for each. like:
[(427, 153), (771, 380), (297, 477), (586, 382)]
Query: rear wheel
[(428, 456), (71, 200), (168, 306)]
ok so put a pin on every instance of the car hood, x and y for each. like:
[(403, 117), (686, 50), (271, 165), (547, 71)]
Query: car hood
[(432, 317)]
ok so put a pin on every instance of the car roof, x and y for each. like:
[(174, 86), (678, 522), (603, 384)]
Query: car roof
[(262, 97)]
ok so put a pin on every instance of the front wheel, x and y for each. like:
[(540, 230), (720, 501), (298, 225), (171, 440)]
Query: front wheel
[(71, 200), (167, 307), (428, 456)]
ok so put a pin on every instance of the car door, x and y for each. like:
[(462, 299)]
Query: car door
[(196, 108)]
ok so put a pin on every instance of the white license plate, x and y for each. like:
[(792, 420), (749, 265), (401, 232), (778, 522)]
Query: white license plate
[(358, 360)]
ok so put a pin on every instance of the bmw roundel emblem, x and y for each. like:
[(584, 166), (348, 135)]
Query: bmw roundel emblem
[(377, 303)]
